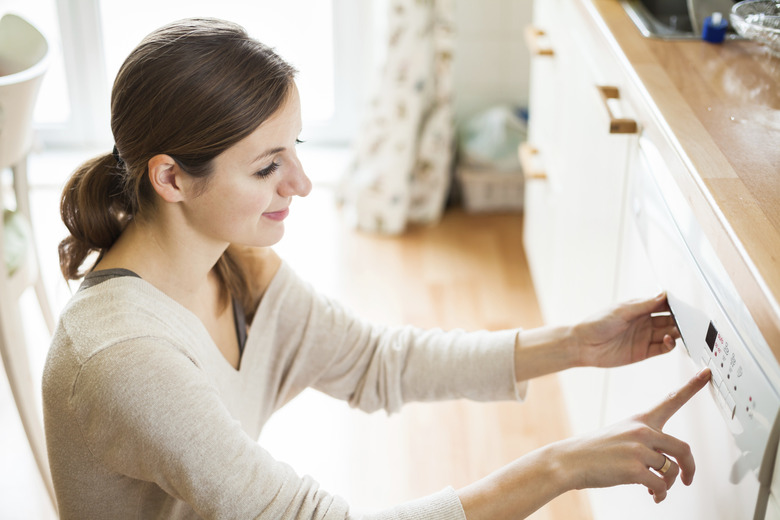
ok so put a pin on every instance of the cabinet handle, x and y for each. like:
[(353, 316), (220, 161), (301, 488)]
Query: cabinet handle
[(529, 162), (532, 35), (616, 125)]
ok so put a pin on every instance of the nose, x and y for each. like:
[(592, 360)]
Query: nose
[(295, 182)]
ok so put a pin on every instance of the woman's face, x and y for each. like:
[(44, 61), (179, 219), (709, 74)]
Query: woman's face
[(248, 195)]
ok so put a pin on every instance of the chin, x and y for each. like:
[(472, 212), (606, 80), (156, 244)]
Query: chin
[(270, 239)]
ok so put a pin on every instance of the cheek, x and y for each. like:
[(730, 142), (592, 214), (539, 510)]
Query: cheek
[(249, 203), (234, 206)]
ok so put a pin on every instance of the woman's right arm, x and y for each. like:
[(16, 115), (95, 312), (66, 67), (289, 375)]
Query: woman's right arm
[(630, 452)]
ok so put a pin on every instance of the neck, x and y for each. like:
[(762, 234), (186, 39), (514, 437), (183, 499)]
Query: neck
[(177, 264)]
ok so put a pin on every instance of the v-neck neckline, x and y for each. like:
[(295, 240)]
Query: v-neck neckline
[(128, 276), (188, 315)]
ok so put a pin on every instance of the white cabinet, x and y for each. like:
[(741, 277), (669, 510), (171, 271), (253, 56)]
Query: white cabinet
[(581, 237), (572, 216), (573, 213)]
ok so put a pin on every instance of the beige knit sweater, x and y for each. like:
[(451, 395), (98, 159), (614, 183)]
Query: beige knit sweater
[(145, 418)]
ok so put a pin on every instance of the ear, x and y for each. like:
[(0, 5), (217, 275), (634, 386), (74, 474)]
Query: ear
[(166, 178)]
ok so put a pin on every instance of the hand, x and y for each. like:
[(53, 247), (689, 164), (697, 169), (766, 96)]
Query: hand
[(627, 333), (633, 451)]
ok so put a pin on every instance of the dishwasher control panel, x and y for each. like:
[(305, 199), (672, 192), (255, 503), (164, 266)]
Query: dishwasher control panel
[(721, 377), (739, 386), (716, 327), (737, 382)]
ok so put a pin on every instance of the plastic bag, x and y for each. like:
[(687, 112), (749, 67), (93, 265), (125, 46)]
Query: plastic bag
[(490, 139)]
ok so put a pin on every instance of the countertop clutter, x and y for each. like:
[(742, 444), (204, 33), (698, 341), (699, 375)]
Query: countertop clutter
[(719, 108)]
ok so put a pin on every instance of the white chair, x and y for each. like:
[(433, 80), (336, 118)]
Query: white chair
[(23, 61)]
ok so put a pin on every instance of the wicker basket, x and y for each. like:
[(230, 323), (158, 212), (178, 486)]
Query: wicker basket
[(486, 190)]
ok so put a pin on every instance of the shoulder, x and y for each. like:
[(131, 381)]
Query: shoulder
[(122, 310)]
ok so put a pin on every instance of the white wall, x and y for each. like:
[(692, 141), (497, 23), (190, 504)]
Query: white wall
[(491, 59)]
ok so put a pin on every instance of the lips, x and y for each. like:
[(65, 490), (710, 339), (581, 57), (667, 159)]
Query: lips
[(277, 215)]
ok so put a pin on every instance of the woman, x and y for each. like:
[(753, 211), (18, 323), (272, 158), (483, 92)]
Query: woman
[(187, 332)]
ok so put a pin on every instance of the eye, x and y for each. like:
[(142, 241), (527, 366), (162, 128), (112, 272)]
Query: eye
[(268, 170), (298, 141)]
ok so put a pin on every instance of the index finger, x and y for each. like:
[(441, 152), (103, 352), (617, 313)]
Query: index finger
[(663, 411)]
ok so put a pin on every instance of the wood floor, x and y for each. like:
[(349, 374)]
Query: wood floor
[(468, 272)]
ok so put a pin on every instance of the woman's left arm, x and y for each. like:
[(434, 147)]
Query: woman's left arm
[(324, 345), (627, 333)]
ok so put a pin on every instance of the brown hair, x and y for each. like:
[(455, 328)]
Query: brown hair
[(191, 89)]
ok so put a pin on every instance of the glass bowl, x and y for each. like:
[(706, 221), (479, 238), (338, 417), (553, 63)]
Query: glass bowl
[(758, 20)]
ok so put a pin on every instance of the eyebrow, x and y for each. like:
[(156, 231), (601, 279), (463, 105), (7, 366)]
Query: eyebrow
[(265, 154)]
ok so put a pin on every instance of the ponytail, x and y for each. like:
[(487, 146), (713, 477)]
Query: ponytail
[(95, 211), (234, 283)]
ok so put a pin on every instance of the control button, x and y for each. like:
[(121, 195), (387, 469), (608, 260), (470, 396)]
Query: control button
[(729, 400), (726, 404), (723, 404), (716, 377)]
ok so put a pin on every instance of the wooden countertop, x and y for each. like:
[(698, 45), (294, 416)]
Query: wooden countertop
[(719, 106)]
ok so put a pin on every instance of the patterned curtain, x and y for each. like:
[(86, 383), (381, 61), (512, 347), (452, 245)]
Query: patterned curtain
[(400, 172)]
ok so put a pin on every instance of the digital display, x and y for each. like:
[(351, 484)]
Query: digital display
[(712, 335)]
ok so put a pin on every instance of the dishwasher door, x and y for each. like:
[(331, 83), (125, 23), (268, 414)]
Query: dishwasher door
[(734, 472)]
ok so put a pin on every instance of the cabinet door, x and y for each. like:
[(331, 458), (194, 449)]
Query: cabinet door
[(591, 176), (540, 212), (573, 217)]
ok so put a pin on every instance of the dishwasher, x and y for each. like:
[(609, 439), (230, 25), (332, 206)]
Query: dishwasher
[(733, 428)]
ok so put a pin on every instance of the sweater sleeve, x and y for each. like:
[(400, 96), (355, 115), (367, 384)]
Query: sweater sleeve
[(376, 367), (150, 414)]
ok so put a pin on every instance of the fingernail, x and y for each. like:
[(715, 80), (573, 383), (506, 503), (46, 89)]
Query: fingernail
[(704, 374)]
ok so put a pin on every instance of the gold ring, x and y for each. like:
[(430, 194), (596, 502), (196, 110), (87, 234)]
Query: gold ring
[(666, 466)]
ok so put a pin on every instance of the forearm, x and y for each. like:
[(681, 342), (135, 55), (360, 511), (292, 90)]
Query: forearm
[(545, 350), (517, 489), (629, 452)]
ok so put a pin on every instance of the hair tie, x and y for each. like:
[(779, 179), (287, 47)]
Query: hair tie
[(119, 162)]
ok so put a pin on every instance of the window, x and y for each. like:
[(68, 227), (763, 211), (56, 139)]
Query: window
[(305, 41), (332, 43)]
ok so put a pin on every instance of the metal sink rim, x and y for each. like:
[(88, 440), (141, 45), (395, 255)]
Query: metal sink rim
[(650, 27)]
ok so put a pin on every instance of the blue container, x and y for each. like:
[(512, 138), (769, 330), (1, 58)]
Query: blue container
[(714, 29)]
